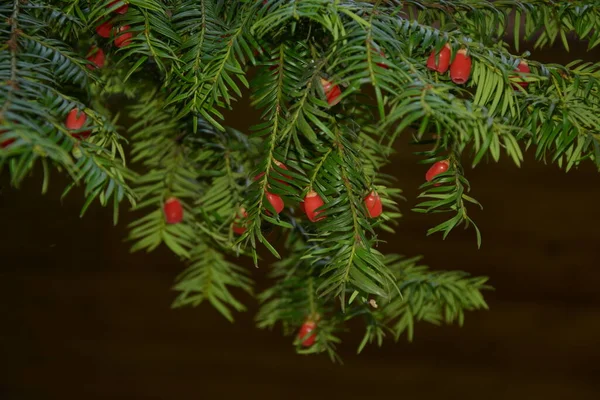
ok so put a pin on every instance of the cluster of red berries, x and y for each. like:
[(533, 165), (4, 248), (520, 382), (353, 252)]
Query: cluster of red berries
[(460, 69), (76, 119), (311, 204), (96, 55)]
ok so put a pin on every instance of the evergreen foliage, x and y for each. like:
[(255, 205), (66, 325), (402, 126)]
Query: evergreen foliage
[(189, 60)]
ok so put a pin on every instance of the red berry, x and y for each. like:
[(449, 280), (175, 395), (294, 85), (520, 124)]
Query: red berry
[(121, 10), (523, 67), (104, 30), (75, 119), (96, 57), (443, 60), (306, 333), (461, 67), (312, 201), (123, 39), (276, 202), (332, 92), (173, 211), (373, 204), (238, 223), (438, 168)]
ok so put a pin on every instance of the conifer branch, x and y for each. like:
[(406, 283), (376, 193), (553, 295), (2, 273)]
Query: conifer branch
[(489, 22), (451, 198), (210, 277), (432, 297), (189, 60)]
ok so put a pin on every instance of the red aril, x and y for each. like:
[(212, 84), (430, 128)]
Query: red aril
[(276, 202), (239, 223), (373, 204), (123, 39), (460, 70), (443, 62), (104, 30), (332, 92), (438, 168), (96, 57), (75, 119), (312, 201), (523, 67), (173, 210), (307, 333)]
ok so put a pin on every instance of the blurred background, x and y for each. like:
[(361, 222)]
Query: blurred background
[(82, 318)]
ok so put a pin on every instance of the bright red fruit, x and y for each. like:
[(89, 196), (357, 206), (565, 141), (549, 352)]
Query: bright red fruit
[(443, 60), (307, 334), (438, 168), (238, 223), (121, 10), (461, 67), (523, 67), (276, 202), (312, 201), (125, 38), (373, 204), (75, 119), (96, 57), (332, 92), (173, 211), (104, 29)]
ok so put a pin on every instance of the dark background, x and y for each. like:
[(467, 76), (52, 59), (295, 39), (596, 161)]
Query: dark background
[(81, 318)]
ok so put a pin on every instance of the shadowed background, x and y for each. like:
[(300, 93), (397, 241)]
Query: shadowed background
[(81, 318)]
